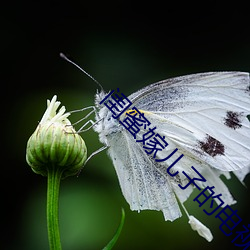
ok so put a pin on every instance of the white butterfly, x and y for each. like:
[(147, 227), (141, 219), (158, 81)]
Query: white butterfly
[(204, 116)]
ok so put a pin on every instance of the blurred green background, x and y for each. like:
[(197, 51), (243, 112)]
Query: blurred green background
[(122, 45)]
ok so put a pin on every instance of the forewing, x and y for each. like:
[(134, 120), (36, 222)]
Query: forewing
[(205, 114), (146, 184)]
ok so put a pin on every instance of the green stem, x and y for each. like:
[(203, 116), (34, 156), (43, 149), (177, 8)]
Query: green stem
[(54, 177)]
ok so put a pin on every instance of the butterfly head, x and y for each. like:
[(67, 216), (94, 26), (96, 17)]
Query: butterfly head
[(106, 123)]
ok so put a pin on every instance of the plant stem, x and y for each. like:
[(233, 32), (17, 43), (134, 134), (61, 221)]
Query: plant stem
[(54, 177)]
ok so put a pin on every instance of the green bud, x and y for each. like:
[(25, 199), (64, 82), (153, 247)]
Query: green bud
[(55, 144)]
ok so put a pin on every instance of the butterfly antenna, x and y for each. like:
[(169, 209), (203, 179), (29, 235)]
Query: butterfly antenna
[(90, 76)]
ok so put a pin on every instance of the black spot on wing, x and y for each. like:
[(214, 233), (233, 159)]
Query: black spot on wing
[(233, 119), (212, 146), (248, 89)]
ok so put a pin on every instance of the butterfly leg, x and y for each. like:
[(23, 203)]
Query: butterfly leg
[(91, 155), (81, 129), (96, 152), (86, 116)]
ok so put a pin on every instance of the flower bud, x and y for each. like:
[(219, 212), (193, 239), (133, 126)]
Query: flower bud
[(55, 144)]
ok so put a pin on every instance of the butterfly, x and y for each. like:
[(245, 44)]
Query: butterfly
[(203, 115)]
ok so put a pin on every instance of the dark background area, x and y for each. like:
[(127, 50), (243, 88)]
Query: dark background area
[(123, 44)]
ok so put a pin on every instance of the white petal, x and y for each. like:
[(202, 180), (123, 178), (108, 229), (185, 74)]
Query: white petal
[(202, 230), (51, 114)]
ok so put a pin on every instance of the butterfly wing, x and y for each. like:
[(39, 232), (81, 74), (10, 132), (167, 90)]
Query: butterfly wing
[(205, 114), (146, 184), (143, 186)]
